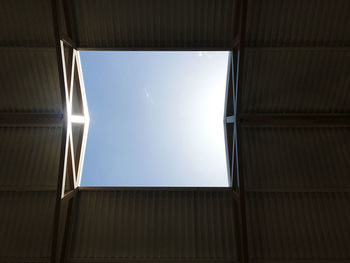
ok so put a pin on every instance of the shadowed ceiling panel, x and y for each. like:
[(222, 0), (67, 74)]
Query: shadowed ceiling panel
[(154, 224), (292, 158), (26, 226), (155, 23), (298, 23), (296, 80), (29, 80), (26, 23), (189, 225), (29, 157), (298, 226)]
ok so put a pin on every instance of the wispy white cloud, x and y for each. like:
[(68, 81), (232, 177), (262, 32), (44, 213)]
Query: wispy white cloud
[(148, 95)]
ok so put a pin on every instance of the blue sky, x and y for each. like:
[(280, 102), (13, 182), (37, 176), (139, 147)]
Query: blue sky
[(156, 118)]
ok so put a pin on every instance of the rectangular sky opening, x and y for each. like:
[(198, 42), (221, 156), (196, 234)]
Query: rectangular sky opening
[(156, 118)]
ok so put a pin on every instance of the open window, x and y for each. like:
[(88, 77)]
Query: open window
[(156, 118)]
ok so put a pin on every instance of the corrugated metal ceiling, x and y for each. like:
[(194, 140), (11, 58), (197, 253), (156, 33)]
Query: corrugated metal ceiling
[(155, 24), (26, 226), (29, 80), (29, 157), (26, 23), (298, 227), (296, 80), (297, 180), (154, 224), (294, 158), (309, 223), (298, 23)]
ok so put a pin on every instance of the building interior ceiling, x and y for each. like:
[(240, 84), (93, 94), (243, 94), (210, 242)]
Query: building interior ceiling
[(287, 127)]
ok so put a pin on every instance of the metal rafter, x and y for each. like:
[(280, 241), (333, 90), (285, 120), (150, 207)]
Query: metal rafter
[(71, 160), (31, 119), (295, 120), (238, 59)]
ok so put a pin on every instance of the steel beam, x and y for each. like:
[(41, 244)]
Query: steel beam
[(29, 188), (68, 228), (70, 73), (295, 120), (238, 66), (27, 48), (69, 15), (31, 119), (299, 190), (298, 48), (66, 144)]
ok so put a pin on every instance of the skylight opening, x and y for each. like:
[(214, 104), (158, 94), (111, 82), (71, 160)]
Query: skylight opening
[(156, 119)]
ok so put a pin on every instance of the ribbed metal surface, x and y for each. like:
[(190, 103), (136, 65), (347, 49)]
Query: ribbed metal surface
[(155, 23), (296, 226), (296, 157), (296, 80), (298, 22), (29, 157), (26, 226), (309, 223), (29, 80), (77, 133), (26, 23), (154, 224)]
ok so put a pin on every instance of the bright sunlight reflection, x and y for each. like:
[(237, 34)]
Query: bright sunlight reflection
[(156, 118), (77, 119)]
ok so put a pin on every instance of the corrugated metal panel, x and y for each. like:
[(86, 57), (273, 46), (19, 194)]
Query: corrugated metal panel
[(296, 226), (77, 133), (148, 224), (26, 226), (29, 80), (29, 157), (298, 22), (296, 157), (26, 23), (296, 80), (155, 23)]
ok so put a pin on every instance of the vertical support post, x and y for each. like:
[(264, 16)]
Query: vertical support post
[(68, 228), (68, 163), (238, 69), (64, 139)]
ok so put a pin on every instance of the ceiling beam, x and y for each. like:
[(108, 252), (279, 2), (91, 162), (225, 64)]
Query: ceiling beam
[(26, 188), (27, 48), (298, 48), (340, 189), (294, 120), (31, 119), (57, 227), (67, 72), (239, 52)]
